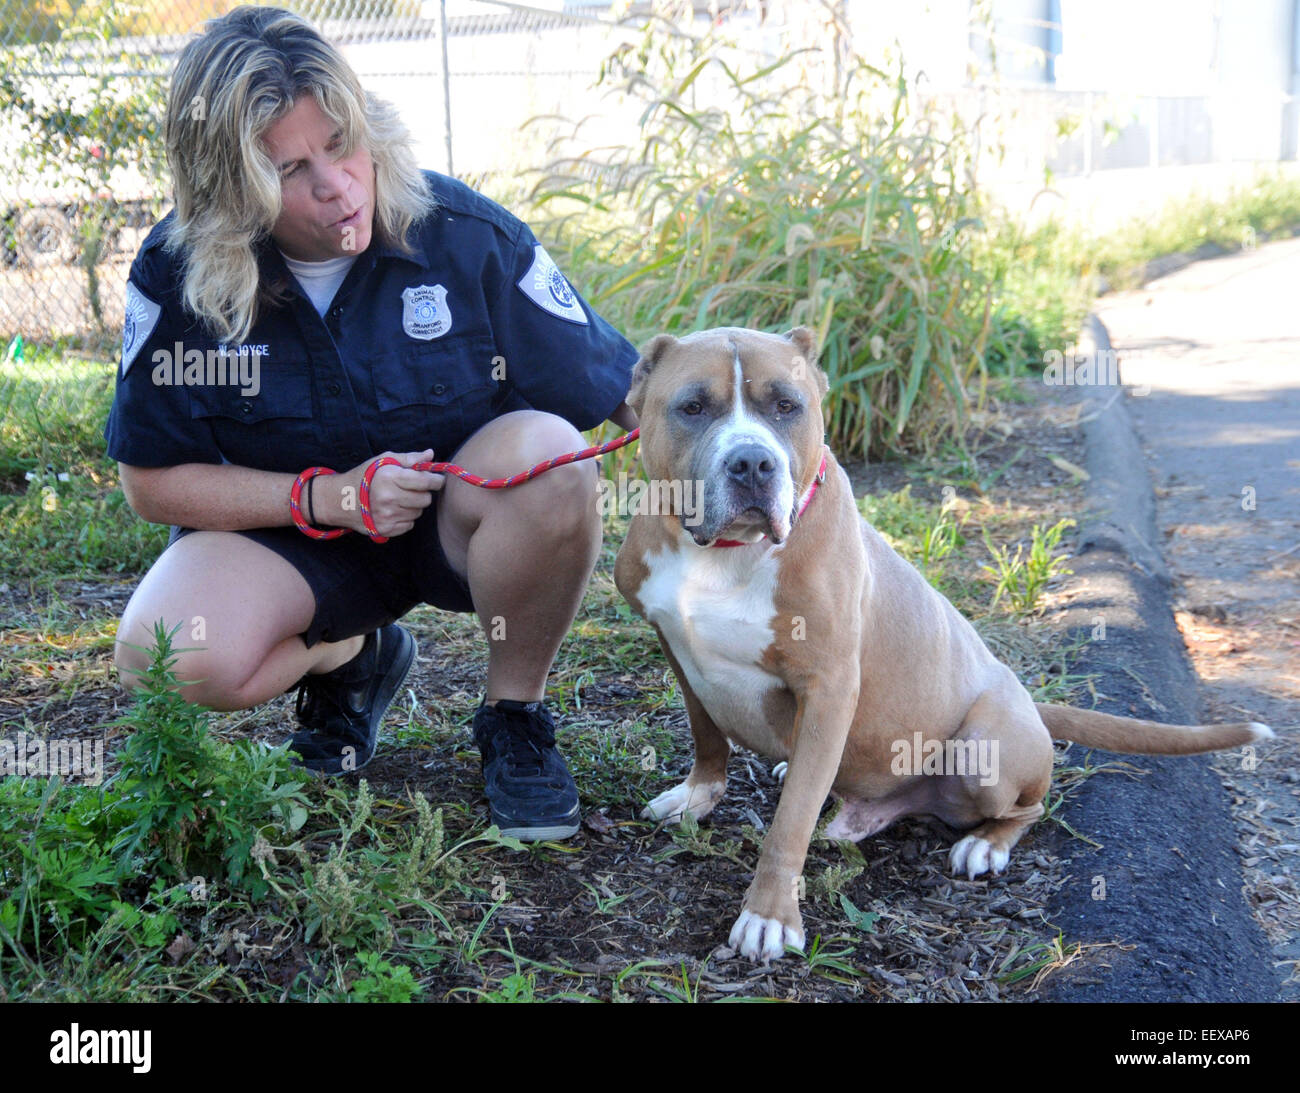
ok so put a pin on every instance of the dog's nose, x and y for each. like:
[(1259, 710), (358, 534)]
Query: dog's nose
[(751, 467)]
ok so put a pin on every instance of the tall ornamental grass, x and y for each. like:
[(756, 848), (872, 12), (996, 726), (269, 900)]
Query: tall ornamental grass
[(749, 199)]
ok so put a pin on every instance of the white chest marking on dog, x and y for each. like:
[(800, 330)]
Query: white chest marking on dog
[(715, 608)]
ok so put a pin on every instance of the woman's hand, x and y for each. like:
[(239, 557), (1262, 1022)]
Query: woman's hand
[(398, 495)]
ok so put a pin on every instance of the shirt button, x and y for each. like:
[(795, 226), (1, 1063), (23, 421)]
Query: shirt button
[(439, 388), (245, 407), (332, 388), (336, 312)]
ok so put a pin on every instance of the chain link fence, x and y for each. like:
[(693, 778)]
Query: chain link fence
[(83, 89), (489, 89)]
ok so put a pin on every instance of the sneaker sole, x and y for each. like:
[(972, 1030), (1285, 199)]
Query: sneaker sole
[(541, 834), (383, 699)]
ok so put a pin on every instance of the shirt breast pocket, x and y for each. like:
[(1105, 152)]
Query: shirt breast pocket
[(271, 430), (436, 395)]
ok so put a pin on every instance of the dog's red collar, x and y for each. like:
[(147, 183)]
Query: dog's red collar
[(803, 504)]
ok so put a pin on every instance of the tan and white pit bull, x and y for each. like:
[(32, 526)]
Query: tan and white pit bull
[(808, 639)]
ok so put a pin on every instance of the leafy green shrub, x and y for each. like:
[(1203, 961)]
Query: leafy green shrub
[(384, 982), (60, 879), (194, 805), (56, 875), (181, 804)]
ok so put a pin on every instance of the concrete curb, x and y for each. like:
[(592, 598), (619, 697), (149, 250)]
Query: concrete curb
[(1166, 879), (1122, 508)]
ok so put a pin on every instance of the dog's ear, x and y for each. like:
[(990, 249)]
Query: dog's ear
[(650, 354), (806, 344), (803, 340)]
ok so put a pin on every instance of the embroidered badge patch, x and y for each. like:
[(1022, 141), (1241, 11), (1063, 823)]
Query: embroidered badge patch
[(425, 314), (141, 317), (545, 285)]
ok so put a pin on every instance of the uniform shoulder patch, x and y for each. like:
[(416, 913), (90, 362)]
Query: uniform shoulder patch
[(545, 285), (141, 317)]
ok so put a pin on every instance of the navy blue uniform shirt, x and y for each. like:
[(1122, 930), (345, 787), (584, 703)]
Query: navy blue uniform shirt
[(415, 351)]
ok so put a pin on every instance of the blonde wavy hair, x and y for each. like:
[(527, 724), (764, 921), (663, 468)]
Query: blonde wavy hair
[(241, 75)]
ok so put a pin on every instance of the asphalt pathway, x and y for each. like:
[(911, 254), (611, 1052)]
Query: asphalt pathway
[(1217, 346), (1200, 855)]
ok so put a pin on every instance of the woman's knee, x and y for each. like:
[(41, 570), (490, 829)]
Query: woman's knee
[(205, 672), (224, 603), (515, 441)]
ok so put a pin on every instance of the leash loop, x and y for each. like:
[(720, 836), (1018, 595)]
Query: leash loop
[(438, 468), (295, 505)]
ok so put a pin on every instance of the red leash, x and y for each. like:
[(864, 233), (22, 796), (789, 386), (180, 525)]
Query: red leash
[(437, 468)]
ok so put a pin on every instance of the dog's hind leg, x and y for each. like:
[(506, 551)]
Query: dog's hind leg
[(707, 782), (857, 819), (1007, 758)]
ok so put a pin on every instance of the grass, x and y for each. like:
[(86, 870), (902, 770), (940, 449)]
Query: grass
[(763, 210), (1022, 578), (927, 533), (61, 505), (1268, 205), (52, 410)]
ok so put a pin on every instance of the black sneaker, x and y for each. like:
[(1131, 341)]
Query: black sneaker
[(528, 786), (340, 711)]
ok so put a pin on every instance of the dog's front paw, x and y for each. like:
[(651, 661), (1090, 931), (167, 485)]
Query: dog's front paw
[(975, 856), (693, 799), (765, 939)]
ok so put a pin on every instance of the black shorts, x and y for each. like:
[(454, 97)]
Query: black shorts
[(361, 585)]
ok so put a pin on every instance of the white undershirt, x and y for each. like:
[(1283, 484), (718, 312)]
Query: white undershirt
[(320, 280)]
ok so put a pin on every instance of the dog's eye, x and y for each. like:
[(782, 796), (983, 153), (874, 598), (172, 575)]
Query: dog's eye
[(786, 406), (693, 407)]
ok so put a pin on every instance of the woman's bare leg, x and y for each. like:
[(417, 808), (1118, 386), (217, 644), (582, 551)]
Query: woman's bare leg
[(527, 551), (241, 609)]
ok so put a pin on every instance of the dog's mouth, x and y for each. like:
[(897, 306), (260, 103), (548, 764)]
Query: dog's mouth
[(744, 495), (750, 524)]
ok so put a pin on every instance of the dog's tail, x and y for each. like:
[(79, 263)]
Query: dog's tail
[(1131, 736)]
